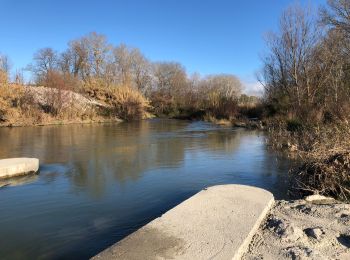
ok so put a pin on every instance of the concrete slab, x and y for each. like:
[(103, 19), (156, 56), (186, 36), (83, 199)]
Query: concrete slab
[(216, 223), (18, 166)]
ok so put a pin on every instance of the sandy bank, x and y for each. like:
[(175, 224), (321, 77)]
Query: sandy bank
[(303, 230)]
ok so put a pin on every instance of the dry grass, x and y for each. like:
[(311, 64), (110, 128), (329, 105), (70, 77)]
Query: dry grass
[(125, 102), (324, 152), (20, 105), (210, 118), (28, 105), (220, 106), (129, 103), (330, 176), (17, 108), (3, 78), (309, 141), (10, 97)]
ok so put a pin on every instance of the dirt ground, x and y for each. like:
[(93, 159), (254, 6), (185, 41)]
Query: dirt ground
[(316, 228)]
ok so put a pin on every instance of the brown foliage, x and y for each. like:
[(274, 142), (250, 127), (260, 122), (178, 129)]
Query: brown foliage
[(307, 70), (329, 177), (16, 107), (123, 101), (129, 103), (307, 80), (323, 151), (57, 98), (3, 78)]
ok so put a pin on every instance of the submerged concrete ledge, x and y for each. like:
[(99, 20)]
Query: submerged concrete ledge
[(216, 223), (18, 166)]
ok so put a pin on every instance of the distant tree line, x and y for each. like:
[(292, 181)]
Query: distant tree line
[(93, 66)]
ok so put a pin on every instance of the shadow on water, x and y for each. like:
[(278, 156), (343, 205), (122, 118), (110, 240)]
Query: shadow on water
[(99, 183), (19, 180)]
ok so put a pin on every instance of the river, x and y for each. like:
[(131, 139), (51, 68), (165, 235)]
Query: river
[(100, 182)]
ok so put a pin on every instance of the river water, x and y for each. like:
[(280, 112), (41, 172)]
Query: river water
[(100, 182)]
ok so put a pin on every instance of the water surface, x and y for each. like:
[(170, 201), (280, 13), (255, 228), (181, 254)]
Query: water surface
[(99, 183)]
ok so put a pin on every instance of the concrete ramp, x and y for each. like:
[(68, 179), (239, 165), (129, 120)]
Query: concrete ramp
[(18, 166), (216, 223)]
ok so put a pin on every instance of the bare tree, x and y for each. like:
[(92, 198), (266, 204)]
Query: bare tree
[(129, 66), (45, 61), (19, 78), (171, 77), (66, 63), (336, 47), (228, 86), (87, 57), (141, 71), (5, 64), (76, 58), (337, 15), (122, 64), (98, 53), (288, 67)]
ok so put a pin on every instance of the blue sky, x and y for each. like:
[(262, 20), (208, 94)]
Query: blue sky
[(206, 36)]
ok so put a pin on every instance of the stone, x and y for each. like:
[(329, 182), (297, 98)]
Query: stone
[(316, 233), (317, 197), (292, 233)]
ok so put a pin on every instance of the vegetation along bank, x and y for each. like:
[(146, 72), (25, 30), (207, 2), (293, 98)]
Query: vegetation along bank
[(92, 80)]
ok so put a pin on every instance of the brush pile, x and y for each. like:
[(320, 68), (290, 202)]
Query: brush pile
[(329, 177)]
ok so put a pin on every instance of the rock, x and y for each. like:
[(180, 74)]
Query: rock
[(306, 209), (69, 98), (285, 230), (314, 232), (316, 197), (297, 252), (276, 225), (292, 233), (344, 239)]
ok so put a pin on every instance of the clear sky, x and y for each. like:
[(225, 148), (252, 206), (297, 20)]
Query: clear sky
[(206, 36)]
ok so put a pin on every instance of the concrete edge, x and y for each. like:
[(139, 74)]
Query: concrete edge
[(242, 249), (29, 165), (245, 244)]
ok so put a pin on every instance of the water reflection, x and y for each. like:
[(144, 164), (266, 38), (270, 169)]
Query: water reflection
[(120, 152), (17, 181), (98, 183)]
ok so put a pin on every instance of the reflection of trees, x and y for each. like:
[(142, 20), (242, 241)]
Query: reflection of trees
[(101, 154)]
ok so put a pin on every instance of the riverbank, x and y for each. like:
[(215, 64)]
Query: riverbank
[(242, 222), (322, 151), (66, 122), (300, 229), (27, 105)]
